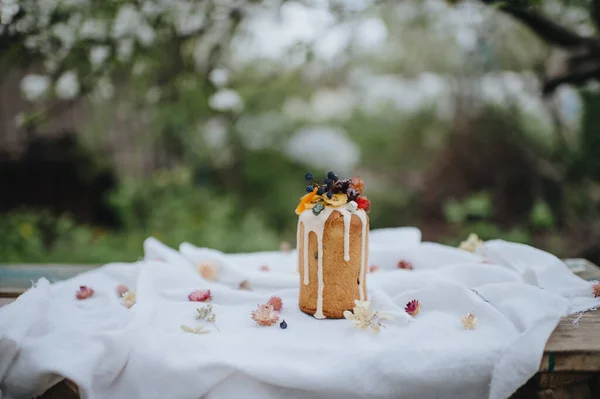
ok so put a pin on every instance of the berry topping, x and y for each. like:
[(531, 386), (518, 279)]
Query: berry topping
[(332, 176), (363, 203), (283, 325), (321, 190), (352, 194), (329, 194), (309, 189), (308, 177)]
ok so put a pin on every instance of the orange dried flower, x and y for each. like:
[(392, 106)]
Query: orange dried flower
[(358, 184), (306, 200), (84, 292), (413, 308), (276, 302)]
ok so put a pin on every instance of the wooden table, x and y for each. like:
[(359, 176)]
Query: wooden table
[(570, 366)]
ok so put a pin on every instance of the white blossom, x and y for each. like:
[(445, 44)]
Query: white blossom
[(67, 86), (214, 133), (34, 86), (93, 29), (219, 77), (99, 54), (226, 100), (125, 49), (126, 22)]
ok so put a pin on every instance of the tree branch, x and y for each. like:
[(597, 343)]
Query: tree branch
[(549, 31)]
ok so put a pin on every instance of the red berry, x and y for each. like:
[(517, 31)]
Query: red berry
[(363, 203), (405, 265)]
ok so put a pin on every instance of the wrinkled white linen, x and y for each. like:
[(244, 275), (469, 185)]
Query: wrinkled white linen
[(517, 292)]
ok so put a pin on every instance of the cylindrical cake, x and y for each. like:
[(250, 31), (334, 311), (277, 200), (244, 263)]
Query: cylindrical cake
[(332, 258)]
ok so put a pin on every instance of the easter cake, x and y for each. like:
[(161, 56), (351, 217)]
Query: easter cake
[(332, 242)]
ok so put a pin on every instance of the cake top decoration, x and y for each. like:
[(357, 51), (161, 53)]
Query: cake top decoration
[(333, 192)]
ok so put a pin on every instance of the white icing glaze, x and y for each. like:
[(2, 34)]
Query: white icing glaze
[(316, 224)]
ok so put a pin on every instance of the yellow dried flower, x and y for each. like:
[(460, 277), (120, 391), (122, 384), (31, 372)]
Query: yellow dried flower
[(469, 321), (471, 244)]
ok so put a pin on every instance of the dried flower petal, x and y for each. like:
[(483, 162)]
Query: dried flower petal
[(285, 246), (373, 268), (364, 317), (245, 285), (122, 289), (469, 321), (596, 290), (264, 268), (276, 302), (200, 296), (471, 244), (196, 330), (413, 308), (405, 265), (84, 292), (208, 270), (358, 184), (129, 299), (265, 315)]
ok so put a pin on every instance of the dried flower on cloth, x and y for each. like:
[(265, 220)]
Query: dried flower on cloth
[(122, 289), (276, 302), (265, 315), (200, 296), (596, 290), (364, 317), (405, 265), (84, 292), (469, 321), (196, 330), (208, 270), (129, 298), (206, 314), (245, 285), (471, 244), (413, 308)]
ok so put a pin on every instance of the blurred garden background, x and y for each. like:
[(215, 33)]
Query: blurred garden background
[(197, 120)]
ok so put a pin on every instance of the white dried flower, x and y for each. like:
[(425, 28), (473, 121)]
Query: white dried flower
[(471, 244), (195, 330), (364, 317), (129, 299), (469, 321), (352, 206)]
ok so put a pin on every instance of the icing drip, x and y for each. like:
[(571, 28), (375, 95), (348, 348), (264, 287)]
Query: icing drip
[(316, 224)]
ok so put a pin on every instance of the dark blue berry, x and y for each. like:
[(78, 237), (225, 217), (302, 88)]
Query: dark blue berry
[(329, 194), (309, 189), (321, 190), (308, 177), (332, 176), (327, 180), (283, 325)]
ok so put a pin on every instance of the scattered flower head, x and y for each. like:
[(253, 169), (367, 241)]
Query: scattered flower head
[(471, 244), (264, 268), (285, 246), (122, 289), (84, 292), (265, 315), (208, 270), (245, 285), (195, 330), (200, 296), (364, 317), (129, 298), (469, 321), (413, 308), (276, 302), (596, 290), (405, 265), (206, 314), (373, 268)]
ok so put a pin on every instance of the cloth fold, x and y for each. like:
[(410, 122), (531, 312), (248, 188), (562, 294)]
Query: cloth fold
[(517, 293)]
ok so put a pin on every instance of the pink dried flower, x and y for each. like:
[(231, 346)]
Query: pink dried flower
[(596, 290), (84, 292), (373, 269), (245, 285), (413, 308), (264, 268), (122, 289), (200, 296), (276, 302), (265, 315), (405, 265)]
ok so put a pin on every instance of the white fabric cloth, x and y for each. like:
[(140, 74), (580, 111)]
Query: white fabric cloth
[(517, 292)]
